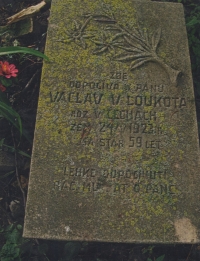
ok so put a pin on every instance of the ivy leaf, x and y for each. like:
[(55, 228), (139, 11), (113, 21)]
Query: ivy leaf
[(156, 39), (9, 252), (13, 236)]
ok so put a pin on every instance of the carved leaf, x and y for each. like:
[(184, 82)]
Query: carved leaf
[(137, 63), (137, 30), (104, 19), (80, 42), (83, 43), (156, 39), (101, 17), (134, 44), (76, 25), (87, 15), (97, 42), (124, 57), (146, 37), (116, 36), (128, 49), (117, 44), (88, 36), (66, 41), (99, 51), (112, 27), (141, 44)]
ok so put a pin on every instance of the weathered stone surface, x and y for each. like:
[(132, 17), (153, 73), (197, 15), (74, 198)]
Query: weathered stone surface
[(116, 152)]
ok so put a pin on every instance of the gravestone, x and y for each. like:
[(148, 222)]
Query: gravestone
[(115, 155)]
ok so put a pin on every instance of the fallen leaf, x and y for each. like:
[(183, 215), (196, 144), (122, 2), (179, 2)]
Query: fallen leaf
[(25, 13), (17, 29), (23, 181)]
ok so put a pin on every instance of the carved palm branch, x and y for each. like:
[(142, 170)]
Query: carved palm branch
[(136, 45), (137, 48)]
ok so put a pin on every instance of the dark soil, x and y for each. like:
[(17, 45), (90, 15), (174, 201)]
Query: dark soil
[(23, 95)]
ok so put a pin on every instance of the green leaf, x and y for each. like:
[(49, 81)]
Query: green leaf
[(19, 227), (149, 259), (9, 227), (1, 142), (6, 82), (3, 98), (160, 258), (11, 115), (192, 22), (13, 236), (12, 149), (16, 49), (9, 252), (6, 175)]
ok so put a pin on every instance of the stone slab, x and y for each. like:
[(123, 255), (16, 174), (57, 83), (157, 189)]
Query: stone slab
[(116, 154)]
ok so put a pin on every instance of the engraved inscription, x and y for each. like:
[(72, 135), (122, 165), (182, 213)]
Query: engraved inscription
[(130, 116), (129, 100), (134, 181)]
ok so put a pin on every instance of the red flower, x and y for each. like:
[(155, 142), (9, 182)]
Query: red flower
[(2, 88), (8, 70)]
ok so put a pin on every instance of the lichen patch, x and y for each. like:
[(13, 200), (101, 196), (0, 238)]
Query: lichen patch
[(185, 230)]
